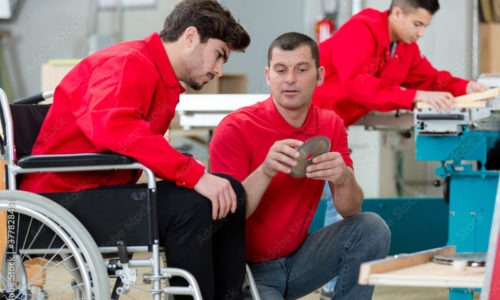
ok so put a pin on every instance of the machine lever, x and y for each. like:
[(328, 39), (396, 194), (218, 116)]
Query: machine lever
[(452, 117)]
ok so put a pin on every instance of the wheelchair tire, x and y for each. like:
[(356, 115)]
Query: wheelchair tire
[(67, 266)]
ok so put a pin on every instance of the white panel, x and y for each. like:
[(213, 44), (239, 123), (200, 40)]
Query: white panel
[(126, 3), (7, 8), (373, 162)]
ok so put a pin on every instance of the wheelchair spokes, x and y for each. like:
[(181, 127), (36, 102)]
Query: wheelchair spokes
[(50, 261)]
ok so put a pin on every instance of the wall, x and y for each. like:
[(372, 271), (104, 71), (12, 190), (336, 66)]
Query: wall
[(55, 29), (447, 44), (42, 30), (264, 20), (48, 29)]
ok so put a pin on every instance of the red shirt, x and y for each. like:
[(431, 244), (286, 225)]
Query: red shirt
[(240, 144), (120, 99), (361, 75)]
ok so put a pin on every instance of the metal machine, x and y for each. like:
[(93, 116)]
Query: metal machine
[(466, 141)]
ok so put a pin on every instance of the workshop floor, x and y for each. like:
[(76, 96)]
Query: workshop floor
[(401, 293), (141, 291), (198, 150), (381, 293)]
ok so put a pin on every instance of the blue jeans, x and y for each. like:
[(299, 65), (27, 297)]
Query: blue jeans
[(335, 250)]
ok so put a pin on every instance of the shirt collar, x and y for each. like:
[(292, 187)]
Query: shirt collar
[(385, 37), (308, 129), (162, 62)]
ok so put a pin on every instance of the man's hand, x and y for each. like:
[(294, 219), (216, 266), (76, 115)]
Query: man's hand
[(281, 157), (347, 193), (438, 100), (329, 166), (220, 192), (475, 87)]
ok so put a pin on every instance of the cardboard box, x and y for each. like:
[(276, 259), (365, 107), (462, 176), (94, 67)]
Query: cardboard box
[(495, 10), (233, 84), (54, 71), (230, 83), (489, 48), (489, 10)]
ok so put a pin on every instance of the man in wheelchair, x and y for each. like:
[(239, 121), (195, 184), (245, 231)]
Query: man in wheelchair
[(121, 100)]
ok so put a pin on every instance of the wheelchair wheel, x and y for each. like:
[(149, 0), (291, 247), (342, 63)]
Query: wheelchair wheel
[(47, 253)]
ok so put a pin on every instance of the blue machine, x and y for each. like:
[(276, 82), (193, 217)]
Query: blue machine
[(465, 141)]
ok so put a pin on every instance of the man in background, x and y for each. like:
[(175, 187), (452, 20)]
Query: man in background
[(373, 62)]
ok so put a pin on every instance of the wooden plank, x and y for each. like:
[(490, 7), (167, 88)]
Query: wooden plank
[(463, 104), (399, 261), (486, 10), (431, 274), (491, 93), (469, 100), (495, 10)]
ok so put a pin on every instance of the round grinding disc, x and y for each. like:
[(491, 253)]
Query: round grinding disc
[(310, 149), (471, 259)]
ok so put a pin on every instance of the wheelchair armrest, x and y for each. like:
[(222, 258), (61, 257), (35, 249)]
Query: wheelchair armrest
[(73, 160), (34, 99)]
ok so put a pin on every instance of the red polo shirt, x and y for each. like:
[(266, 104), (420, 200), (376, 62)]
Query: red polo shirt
[(361, 75), (240, 144), (120, 99)]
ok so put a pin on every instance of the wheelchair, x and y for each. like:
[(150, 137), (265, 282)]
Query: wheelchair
[(51, 246)]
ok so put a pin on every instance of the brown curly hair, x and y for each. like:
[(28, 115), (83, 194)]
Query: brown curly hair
[(210, 19)]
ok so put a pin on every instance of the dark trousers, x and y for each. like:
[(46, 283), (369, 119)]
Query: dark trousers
[(213, 251)]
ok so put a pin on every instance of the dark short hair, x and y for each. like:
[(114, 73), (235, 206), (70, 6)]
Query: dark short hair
[(432, 6), (210, 19), (290, 41)]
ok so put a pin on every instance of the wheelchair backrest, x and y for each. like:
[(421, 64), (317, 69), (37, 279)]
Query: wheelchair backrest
[(21, 123), (27, 120)]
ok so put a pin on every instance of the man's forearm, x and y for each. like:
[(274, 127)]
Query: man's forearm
[(348, 196), (255, 185)]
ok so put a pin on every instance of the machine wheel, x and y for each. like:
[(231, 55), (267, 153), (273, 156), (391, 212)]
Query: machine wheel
[(56, 258)]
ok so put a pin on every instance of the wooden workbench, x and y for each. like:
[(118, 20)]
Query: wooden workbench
[(418, 270)]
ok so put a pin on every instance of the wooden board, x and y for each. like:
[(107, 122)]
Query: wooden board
[(399, 262), (469, 100), (431, 275), (417, 270), (495, 10), (486, 11)]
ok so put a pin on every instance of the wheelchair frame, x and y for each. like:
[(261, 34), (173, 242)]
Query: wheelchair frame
[(84, 253)]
